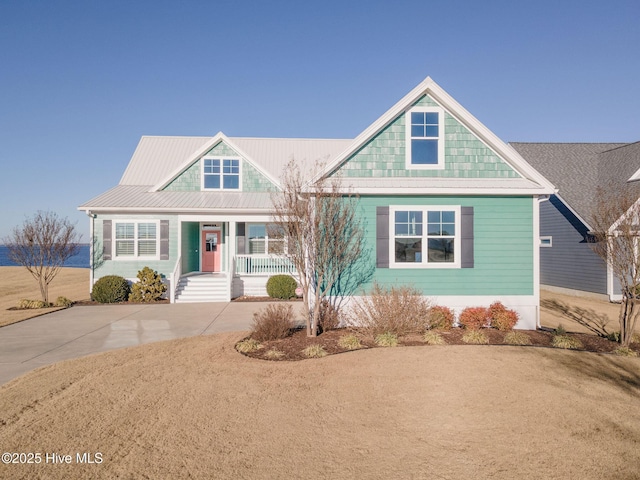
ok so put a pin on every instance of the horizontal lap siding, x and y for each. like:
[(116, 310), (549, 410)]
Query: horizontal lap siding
[(130, 268), (503, 248), (569, 262)]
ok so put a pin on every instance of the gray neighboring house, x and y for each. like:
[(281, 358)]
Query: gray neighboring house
[(567, 263)]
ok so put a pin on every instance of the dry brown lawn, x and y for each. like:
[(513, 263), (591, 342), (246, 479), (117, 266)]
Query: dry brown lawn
[(195, 408), (17, 283)]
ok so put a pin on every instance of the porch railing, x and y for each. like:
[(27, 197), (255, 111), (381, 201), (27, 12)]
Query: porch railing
[(263, 265), (175, 279)]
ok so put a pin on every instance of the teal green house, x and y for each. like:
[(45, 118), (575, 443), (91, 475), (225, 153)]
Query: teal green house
[(447, 207)]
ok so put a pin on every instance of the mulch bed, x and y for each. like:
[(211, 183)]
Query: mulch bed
[(248, 298), (293, 345)]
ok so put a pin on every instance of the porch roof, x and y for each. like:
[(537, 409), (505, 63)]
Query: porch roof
[(138, 197)]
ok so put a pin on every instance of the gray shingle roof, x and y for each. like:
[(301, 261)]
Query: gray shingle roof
[(578, 169)]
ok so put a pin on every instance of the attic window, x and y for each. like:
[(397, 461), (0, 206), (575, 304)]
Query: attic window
[(425, 138), (221, 174)]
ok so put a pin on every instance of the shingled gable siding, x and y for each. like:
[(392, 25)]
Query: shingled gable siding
[(129, 268), (465, 155), (503, 248), (569, 262), (252, 179)]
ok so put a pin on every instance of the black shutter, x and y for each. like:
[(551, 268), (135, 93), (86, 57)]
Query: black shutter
[(240, 235), (106, 239), (382, 237), (466, 237), (164, 239)]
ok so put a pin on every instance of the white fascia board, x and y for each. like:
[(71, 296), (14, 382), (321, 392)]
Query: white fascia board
[(431, 88), (633, 208), (444, 191), (165, 210), (406, 101), (219, 137), (190, 160), (253, 163)]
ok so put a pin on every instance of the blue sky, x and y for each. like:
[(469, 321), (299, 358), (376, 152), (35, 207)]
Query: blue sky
[(82, 81)]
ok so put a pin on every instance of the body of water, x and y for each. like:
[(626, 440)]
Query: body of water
[(81, 260)]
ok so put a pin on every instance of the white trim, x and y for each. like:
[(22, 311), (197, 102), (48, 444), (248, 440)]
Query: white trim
[(577, 215), (440, 139), (218, 138), (536, 201), (546, 241), (444, 191), (135, 256), (457, 248), (221, 159)]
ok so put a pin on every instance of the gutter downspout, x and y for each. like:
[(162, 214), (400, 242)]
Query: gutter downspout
[(92, 242)]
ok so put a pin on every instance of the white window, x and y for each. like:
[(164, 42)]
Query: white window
[(220, 173), (425, 138), (265, 239), (136, 239), (546, 241), (424, 236)]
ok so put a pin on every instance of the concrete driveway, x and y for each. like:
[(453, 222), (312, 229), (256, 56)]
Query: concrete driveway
[(83, 330)]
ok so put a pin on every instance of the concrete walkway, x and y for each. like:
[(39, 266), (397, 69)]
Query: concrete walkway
[(83, 330)]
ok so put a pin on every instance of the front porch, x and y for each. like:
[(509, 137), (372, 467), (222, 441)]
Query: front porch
[(221, 259)]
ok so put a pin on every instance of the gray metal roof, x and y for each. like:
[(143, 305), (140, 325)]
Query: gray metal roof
[(132, 197), (578, 169)]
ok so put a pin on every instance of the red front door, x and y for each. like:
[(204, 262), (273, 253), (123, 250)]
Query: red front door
[(211, 251)]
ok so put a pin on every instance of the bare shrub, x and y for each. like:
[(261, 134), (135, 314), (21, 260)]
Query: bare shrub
[(62, 302), (273, 322), (474, 318), (329, 318), (398, 310), (441, 317)]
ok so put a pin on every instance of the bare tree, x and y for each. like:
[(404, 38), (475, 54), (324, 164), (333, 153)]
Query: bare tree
[(324, 237), (615, 238), (42, 245)]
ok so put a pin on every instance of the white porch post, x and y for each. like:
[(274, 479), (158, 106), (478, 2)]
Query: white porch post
[(232, 257)]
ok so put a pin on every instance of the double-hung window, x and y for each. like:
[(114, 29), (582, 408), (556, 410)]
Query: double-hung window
[(425, 236), (221, 173), (425, 138), (136, 239), (265, 239)]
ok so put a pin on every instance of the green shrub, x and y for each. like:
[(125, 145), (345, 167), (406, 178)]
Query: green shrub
[(314, 351), (441, 317), (349, 342), (473, 318), (475, 337), (517, 338), (281, 286), (501, 317), (148, 288), (248, 345), (111, 289), (273, 322), (433, 338), (397, 310), (62, 302), (386, 339)]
